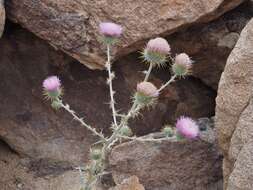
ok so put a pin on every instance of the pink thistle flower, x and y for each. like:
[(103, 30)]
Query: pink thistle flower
[(147, 89), (158, 45), (182, 65), (183, 59), (52, 84), (187, 127), (109, 29), (156, 51)]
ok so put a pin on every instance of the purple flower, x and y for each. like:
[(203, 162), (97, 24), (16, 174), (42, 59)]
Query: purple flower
[(52, 84), (187, 128), (147, 89), (158, 45), (182, 65), (156, 51), (109, 29), (183, 59)]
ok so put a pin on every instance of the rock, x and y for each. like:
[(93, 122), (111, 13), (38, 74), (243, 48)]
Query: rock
[(234, 114), (27, 123), (2, 17), (132, 183), (32, 128), (169, 165), (229, 40), (210, 44), (72, 26), (15, 176)]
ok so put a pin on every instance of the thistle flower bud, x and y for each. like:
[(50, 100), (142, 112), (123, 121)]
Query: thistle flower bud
[(187, 128), (110, 31), (147, 89), (96, 153), (146, 93), (168, 131), (52, 87), (156, 51), (182, 65), (126, 131)]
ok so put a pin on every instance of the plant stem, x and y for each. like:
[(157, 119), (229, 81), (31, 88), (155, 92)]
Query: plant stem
[(147, 139), (148, 72), (130, 113), (123, 122), (172, 79), (93, 130), (110, 75), (81, 177)]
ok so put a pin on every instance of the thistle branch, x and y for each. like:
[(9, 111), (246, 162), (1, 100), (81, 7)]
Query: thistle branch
[(172, 79), (148, 72), (110, 78), (143, 139), (80, 120), (133, 110)]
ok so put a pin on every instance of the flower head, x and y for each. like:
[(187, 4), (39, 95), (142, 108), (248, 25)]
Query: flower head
[(182, 65), (146, 93), (51, 83), (159, 45), (188, 128), (52, 87), (110, 31), (147, 89), (156, 51)]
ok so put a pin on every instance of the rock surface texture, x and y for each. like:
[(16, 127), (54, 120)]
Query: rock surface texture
[(131, 183), (185, 165), (17, 175), (210, 44), (72, 26), (2, 17), (234, 114)]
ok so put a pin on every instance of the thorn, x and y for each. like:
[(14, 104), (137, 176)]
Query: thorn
[(112, 75), (145, 72), (107, 65)]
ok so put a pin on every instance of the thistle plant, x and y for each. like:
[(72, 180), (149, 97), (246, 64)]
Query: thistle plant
[(156, 54)]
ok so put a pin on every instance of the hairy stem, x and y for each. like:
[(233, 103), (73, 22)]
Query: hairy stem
[(110, 78), (113, 139), (80, 120), (81, 177), (148, 72), (172, 79), (133, 110), (142, 139)]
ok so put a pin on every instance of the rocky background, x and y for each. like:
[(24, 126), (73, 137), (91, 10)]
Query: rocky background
[(40, 148)]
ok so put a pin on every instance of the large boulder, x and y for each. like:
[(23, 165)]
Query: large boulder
[(16, 174), (210, 44), (27, 123), (32, 128), (170, 165), (2, 17), (234, 121), (72, 26), (131, 183)]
